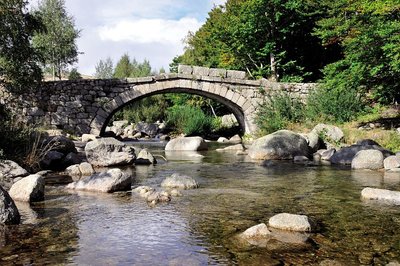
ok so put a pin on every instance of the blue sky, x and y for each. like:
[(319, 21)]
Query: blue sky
[(151, 29)]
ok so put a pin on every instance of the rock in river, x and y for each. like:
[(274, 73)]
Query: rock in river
[(8, 211), (281, 145), (256, 231), (110, 181), (10, 169), (290, 222), (388, 196), (186, 144), (179, 181), (109, 152), (28, 189), (368, 159)]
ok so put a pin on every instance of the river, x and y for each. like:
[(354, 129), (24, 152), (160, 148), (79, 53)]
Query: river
[(201, 226)]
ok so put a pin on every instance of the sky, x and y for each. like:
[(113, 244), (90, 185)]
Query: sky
[(151, 29)]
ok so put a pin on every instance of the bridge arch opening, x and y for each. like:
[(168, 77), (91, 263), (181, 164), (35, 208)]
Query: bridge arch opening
[(233, 107)]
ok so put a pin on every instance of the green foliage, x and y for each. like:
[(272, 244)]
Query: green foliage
[(277, 111), (74, 74), (188, 120), (104, 69), (264, 37), (333, 105), (58, 42), (368, 32), (18, 59), (149, 110), (126, 68)]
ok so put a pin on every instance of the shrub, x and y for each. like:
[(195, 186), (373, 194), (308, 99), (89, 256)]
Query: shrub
[(188, 120), (333, 105), (278, 109)]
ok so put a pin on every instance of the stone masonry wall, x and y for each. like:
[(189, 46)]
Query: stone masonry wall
[(81, 106)]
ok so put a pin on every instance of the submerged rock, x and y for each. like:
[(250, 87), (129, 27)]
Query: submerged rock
[(281, 145), (186, 144), (8, 211), (368, 159), (180, 182), (28, 189), (290, 222), (110, 181), (387, 196), (109, 152)]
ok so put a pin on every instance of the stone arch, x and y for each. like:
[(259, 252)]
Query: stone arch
[(240, 106)]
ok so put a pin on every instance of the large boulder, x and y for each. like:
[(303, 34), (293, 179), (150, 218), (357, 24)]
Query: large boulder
[(290, 222), (383, 195), (10, 169), (180, 182), (109, 152), (368, 159), (345, 155), (150, 130), (281, 145), (8, 211), (186, 144), (110, 181), (28, 189), (330, 133), (52, 160)]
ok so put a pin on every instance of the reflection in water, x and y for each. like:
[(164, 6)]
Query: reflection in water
[(201, 227)]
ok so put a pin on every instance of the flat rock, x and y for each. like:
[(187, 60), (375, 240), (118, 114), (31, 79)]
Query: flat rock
[(179, 181), (368, 159), (186, 144), (8, 211), (110, 181), (290, 222), (28, 189), (109, 152), (237, 147), (384, 195), (281, 145), (88, 137)]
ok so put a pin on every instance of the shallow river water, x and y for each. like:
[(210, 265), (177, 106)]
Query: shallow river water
[(201, 227)]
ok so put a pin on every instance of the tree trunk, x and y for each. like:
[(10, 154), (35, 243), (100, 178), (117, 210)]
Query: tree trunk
[(274, 76)]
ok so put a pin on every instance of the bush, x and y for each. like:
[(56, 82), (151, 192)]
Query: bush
[(278, 109), (333, 105), (188, 120)]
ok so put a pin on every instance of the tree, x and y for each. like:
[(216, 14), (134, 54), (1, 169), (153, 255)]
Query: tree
[(131, 69), (58, 42), (268, 38), (18, 59), (74, 74), (104, 69), (123, 68), (368, 32)]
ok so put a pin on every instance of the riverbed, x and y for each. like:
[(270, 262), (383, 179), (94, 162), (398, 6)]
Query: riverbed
[(201, 226)]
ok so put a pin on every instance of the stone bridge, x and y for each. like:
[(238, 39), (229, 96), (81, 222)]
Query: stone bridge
[(86, 106)]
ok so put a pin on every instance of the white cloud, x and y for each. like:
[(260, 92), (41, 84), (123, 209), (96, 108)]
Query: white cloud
[(149, 30)]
